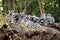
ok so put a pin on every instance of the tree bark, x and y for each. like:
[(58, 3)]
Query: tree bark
[(9, 5), (14, 4), (20, 7), (41, 6), (41, 29)]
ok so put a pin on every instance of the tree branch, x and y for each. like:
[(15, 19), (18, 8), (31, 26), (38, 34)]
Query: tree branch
[(27, 5)]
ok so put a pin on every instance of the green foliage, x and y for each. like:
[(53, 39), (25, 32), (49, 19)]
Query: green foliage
[(5, 8), (1, 18), (33, 9), (55, 11)]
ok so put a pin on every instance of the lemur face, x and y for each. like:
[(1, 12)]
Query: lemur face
[(34, 19), (13, 15), (16, 17), (46, 19)]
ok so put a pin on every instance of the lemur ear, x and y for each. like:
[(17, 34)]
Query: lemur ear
[(9, 11), (12, 10)]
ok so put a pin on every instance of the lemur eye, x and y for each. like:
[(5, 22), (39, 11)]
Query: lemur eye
[(15, 17), (11, 14)]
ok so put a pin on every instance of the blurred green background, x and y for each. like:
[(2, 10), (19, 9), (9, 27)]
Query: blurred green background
[(50, 6)]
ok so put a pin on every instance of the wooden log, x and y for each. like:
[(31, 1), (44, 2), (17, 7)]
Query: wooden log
[(22, 30), (4, 33)]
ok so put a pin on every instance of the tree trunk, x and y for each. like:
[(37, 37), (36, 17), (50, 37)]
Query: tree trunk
[(9, 6), (27, 5), (14, 4), (20, 6), (41, 6)]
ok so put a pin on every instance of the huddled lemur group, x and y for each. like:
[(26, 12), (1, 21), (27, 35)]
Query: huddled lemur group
[(32, 21)]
